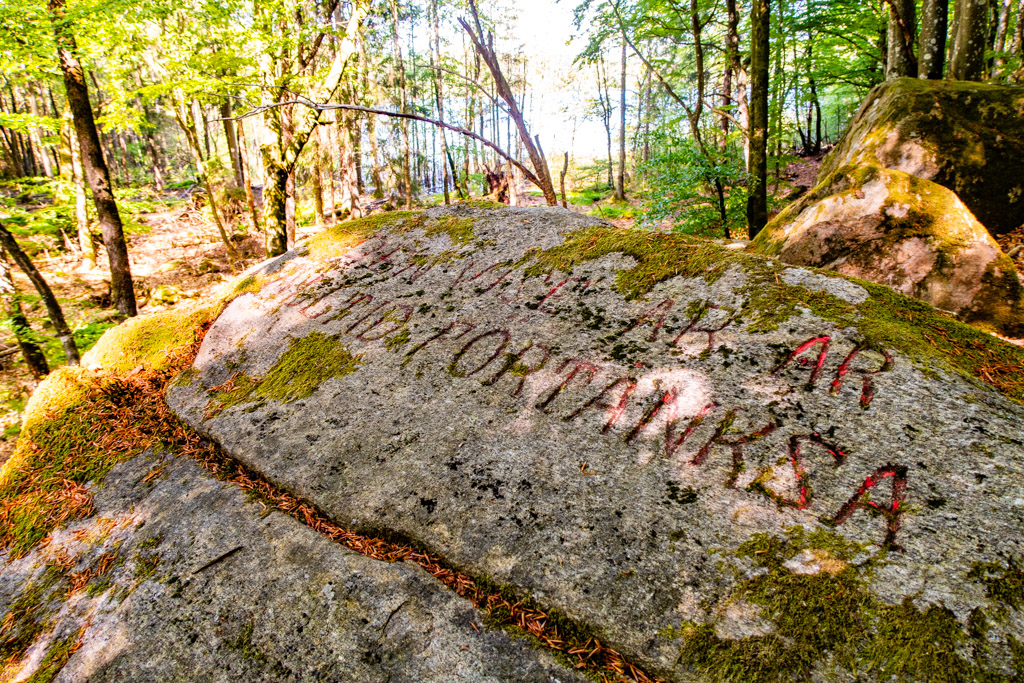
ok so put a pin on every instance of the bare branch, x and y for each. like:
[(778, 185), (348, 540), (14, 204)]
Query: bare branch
[(527, 173)]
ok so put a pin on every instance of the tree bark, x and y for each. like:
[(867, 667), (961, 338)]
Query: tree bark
[(439, 96), (229, 135), (186, 120), (30, 351), (900, 60), (250, 199), (757, 200), (606, 114), (98, 175), (1002, 26), (279, 158), (403, 104), (620, 179), (967, 62), (53, 309), (932, 41)]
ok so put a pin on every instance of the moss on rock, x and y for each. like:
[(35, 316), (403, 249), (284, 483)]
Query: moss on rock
[(965, 136), (308, 363), (338, 239), (830, 620), (152, 341), (886, 320)]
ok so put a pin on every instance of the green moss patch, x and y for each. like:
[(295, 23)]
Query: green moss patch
[(659, 257), (56, 657), (250, 284), (1003, 585), (887, 320), (338, 239), (28, 616), (308, 363), (152, 341), (830, 620), (482, 204), (459, 230)]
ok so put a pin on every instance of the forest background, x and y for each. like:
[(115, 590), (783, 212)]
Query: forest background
[(149, 148)]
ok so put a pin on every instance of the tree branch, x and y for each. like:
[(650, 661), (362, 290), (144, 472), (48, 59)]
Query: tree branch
[(527, 173)]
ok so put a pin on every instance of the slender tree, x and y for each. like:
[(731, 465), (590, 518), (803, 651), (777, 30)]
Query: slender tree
[(900, 59), (932, 41), (620, 178), (757, 200), (121, 287), (60, 326)]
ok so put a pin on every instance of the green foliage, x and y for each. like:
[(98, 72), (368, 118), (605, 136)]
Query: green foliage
[(685, 183)]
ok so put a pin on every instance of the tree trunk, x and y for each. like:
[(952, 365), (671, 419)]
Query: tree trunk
[(229, 135), (403, 104), (371, 123), (318, 188), (183, 114), (900, 59), (250, 199), (932, 42), (279, 158), (439, 96), (967, 62), (757, 201), (620, 179), (36, 140), (121, 288), (85, 241), (532, 145), (740, 87), (1002, 26), (53, 309), (33, 355), (606, 115)]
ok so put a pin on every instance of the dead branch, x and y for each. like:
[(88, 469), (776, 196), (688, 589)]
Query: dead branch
[(490, 57), (527, 173)]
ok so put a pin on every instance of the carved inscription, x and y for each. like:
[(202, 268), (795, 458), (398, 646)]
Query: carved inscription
[(566, 389)]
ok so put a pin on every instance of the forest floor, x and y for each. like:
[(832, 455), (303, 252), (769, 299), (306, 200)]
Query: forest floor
[(176, 256)]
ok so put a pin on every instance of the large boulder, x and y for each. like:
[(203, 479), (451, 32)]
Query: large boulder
[(910, 198), (718, 466), (908, 233), (725, 468), (965, 136)]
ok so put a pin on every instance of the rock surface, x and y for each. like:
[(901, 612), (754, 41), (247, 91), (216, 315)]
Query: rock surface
[(907, 233), (908, 198), (727, 469), (965, 136), (201, 587)]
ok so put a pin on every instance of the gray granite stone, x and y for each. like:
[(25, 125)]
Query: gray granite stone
[(608, 456)]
